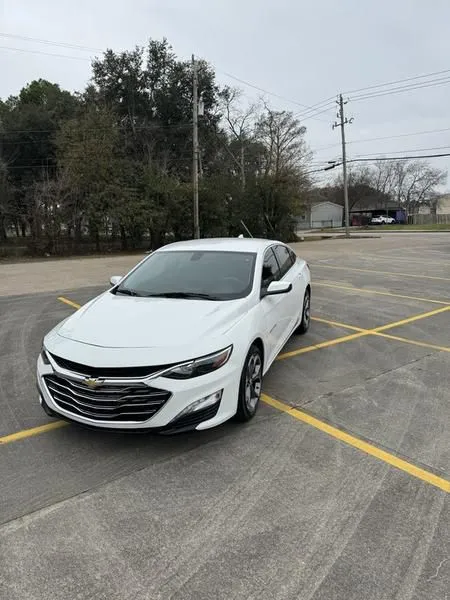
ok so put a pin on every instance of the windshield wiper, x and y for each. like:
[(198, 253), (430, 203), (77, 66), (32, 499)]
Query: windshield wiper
[(183, 295), (126, 292)]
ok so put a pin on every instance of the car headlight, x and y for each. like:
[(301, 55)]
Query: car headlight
[(200, 366), (44, 356)]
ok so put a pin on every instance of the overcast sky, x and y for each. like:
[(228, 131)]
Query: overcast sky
[(303, 51)]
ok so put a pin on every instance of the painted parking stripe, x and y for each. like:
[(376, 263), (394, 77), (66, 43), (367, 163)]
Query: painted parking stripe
[(345, 437), (388, 336), (27, 433), (69, 302), (356, 290), (355, 442), (365, 332), (346, 338), (413, 319), (390, 273), (319, 346), (398, 338)]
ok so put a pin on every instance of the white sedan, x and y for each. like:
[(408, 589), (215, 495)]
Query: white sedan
[(182, 342), (382, 220)]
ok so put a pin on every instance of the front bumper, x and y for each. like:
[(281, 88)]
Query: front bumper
[(168, 418)]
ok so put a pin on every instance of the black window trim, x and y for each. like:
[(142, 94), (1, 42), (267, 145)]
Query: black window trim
[(279, 266), (271, 249), (294, 257)]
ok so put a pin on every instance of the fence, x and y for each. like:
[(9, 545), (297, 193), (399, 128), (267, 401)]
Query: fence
[(429, 219)]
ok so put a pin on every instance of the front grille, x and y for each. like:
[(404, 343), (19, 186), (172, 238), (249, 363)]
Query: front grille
[(114, 372), (132, 402)]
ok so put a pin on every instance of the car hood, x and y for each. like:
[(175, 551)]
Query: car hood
[(153, 329)]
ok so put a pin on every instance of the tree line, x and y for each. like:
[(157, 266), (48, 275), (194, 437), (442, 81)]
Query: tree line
[(409, 184), (111, 166), (113, 163)]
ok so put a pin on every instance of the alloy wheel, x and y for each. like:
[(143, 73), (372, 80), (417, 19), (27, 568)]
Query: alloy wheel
[(253, 381)]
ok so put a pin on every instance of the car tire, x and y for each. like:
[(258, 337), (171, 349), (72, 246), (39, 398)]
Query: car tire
[(306, 313), (250, 385)]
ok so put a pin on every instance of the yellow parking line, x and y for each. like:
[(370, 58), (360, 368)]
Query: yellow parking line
[(413, 342), (337, 324), (409, 259), (385, 335), (376, 292), (392, 273), (363, 332), (26, 433), (334, 342), (69, 302), (431, 313), (304, 350), (360, 444), (412, 319), (360, 332)]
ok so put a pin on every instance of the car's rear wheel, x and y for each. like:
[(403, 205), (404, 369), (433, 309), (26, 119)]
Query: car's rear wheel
[(306, 313), (250, 385)]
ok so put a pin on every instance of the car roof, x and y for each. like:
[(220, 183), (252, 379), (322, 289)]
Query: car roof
[(222, 245)]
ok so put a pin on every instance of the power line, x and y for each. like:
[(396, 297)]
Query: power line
[(49, 42), (264, 91), (158, 127), (324, 169), (407, 150), (392, 91), (334, 164), (317, 171), (86, 48), (318, 106), (58, 162), (44, 53), (401, 135), (380, 85), (314, 115), (394, 158), (320, 148), (387, 137), (91, 49)]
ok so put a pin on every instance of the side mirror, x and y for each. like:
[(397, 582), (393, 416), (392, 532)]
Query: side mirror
[(278, 287), (115, 279)]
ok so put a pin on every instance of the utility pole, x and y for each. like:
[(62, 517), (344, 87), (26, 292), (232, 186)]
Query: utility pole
[(195, 145), (343, 121)]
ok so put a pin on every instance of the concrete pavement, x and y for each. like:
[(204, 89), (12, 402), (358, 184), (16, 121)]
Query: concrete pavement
[(274, 509)]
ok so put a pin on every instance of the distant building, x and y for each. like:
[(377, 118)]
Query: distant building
[(443, 205), (321, 215), (361, 213), (423, 210), (438, 206)]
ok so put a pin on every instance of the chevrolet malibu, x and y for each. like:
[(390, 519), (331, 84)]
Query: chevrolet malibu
[(182, 342)]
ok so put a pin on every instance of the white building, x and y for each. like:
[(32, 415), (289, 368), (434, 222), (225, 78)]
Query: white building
[(443, 205), (320, 215)]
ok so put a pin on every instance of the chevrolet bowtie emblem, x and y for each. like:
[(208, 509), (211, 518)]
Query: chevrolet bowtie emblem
[(92, 382)]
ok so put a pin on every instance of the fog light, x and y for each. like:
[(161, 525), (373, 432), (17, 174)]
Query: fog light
[(202, 403)]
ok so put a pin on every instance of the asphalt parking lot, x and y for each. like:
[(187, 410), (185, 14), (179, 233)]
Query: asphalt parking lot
[(338, 489)]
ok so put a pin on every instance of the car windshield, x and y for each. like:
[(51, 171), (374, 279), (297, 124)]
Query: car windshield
[(202, 275)]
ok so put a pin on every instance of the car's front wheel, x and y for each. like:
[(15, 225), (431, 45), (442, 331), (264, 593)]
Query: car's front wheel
[(306, 313), (250, 385)]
